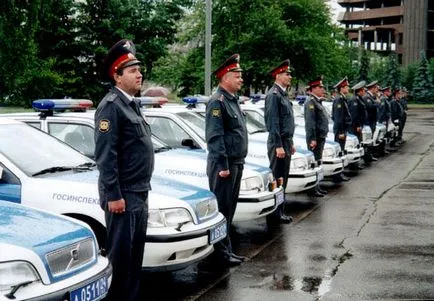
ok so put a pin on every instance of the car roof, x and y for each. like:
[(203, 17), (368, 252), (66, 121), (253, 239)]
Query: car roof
[(4, 121)]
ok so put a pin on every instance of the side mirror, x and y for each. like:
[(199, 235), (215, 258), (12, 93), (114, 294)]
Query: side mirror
[(188, 142)]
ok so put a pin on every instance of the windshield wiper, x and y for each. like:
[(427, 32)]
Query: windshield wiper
[(87, 166), (52, 170), (15, 288), (162, 149), (259, 131)]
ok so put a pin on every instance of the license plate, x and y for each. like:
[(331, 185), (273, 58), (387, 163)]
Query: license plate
[(91, 292), (279, 197), (217, 233)]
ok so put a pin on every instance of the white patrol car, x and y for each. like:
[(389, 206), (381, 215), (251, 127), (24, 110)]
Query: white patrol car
[(256, 198), (47, 257), (43, 172), (181, 127), (334, 161)]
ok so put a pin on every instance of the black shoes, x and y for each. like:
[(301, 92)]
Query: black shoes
[(344, 177), (322, 191), (239, 257), (285, 219), (374, 159), (231, 261), (316, 194)]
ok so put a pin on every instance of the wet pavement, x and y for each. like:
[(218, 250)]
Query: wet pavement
[(371, 238)]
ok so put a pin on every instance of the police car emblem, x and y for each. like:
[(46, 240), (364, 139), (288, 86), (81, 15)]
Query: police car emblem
[(215, 113), (104, 125)]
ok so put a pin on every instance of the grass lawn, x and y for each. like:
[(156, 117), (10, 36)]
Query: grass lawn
[(4, 110)]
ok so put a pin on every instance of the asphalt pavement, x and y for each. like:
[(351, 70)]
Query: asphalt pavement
[(371, 238)]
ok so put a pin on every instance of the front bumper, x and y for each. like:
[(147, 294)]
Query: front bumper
[(333, 166), (174, 250), (253, 206), (303, 180), (354, 155), (60, 290)]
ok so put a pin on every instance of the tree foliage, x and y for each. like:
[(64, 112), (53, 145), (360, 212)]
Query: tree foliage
[(423, 86)]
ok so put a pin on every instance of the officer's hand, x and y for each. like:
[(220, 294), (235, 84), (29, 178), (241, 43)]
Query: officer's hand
[(224, 173), (292, 150), (341, 136), (359, 129), (280, 152), (312, 144), (117, 206)]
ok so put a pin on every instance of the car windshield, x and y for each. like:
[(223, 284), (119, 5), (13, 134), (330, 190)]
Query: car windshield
[(33, 151), (195, 121)]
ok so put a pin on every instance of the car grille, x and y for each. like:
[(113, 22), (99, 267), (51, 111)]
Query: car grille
[(72, 257), (206, 208)]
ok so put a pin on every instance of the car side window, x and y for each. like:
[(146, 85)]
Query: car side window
[(79, 136), (34, 124), (7, 177), (167, 131)]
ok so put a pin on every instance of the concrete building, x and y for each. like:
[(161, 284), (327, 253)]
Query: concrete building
[(403, 26)]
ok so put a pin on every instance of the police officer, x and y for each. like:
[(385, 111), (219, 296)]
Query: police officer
[(226, 137), (279, 119), (125, 159), (397, 114), (371, 103), (357, 109), (341, 117), (384, 113), (404, 104), (316, 125)]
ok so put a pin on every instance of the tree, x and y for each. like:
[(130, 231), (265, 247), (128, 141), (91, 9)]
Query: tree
[(422, 86), (393, 74), (364, 65)]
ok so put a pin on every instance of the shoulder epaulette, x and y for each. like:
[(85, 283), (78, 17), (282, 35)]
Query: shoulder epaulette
[(221, 98), (275, 91), (111, 97)]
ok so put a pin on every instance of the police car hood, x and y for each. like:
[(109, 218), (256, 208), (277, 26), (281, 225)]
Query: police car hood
[(28, 228), (191, 163), (162, 188)]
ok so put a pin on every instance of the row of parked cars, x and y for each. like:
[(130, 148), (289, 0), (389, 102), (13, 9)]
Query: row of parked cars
[(51, 256)]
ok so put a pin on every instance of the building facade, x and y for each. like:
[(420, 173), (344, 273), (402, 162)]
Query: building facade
[(402, 26)]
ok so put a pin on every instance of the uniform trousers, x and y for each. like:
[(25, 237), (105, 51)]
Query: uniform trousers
[(126, 235), (226, 189), (317, 151), (341, 141)]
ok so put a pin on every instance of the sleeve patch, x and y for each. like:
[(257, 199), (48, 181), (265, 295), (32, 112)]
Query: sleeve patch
[(215, 113), (311, 107), (339, 106), (104, 125)]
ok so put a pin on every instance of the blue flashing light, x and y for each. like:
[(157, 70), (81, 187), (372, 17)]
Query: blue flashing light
[(43, 105), (301, 99), (61, 104), (152, 100), (195, 99)]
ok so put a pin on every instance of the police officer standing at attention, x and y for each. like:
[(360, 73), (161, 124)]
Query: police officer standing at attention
[(279, 119), (226, 137), (384, 113), (341, 118), (316, 125), (371, 103), (125, 159)]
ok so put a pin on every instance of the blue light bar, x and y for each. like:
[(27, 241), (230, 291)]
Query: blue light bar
[(195, 99), (43, 105), (152, 100), (301, 99), (61, 104)]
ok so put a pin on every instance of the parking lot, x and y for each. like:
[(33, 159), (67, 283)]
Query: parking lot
[(369, 238)]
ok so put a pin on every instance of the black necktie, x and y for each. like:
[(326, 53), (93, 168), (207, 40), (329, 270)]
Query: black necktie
[(134, 104)]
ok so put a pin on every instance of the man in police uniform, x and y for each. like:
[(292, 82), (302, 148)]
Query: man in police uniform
[(125, 159), (397, 114), (371, 103), (384, 113), (358, 111), (279, 118), (226, 137), (341, 118), (316, 125)]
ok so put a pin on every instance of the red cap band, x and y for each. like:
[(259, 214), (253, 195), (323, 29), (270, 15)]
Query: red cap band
[(119, 62), (227, 69)]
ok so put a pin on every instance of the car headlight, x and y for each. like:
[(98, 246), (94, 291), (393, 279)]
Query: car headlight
[(328, 152), (16, 272), (298, 164), (173, 217), (252, 184), (350, 143)]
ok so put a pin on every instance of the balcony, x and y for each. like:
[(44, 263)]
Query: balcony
[(378, 13)]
